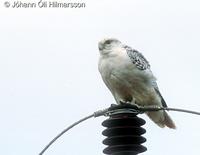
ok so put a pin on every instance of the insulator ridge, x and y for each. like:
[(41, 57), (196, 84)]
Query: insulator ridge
[(124, 132)]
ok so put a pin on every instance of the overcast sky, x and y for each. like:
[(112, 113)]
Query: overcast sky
[(49, 77)]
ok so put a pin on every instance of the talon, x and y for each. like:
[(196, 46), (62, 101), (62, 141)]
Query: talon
[(124, 102)]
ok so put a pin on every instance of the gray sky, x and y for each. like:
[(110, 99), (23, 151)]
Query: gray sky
[(49, 77)]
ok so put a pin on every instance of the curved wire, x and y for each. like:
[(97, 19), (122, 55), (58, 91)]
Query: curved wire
[(65, 130), (106, 112), (95, 114), (157, 108), (182, 110)]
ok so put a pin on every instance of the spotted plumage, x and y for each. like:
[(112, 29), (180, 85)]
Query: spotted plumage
[(137, 58)]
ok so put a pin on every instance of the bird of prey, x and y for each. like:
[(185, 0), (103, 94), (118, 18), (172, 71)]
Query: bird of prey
[(127, 74)]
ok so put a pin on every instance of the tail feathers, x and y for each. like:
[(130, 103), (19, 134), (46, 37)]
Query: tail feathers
[(162, 119)]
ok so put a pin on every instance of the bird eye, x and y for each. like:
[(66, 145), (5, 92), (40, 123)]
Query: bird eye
[(107, 41)]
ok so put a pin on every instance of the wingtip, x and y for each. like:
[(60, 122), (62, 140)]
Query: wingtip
[(169, 122)]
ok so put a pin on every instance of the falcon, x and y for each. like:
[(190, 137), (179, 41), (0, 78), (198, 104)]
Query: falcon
[(126, 73)]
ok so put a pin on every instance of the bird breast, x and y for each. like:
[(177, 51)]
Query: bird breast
[(124, 79)]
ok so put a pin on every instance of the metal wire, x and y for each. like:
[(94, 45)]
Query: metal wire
[(157, 108), (106, 112), (95, 114), (65, 130), (182, 110)]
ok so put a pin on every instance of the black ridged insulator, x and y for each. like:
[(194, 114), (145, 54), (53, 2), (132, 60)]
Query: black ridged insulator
[(124, 131)]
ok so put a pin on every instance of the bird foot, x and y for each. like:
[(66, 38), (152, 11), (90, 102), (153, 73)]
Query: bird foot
[(128, 102), (124, 102)]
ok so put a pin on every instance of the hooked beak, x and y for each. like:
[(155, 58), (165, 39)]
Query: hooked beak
[(101, 47)]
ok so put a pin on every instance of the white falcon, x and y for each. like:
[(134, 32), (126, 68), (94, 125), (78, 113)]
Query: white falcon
[(127, 74)]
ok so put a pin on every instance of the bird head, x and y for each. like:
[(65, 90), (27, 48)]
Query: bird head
[(106, 45)]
